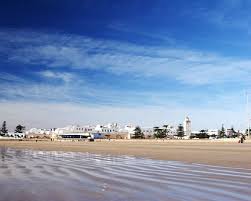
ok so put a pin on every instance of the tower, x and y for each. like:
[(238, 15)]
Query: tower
[(187, 127)]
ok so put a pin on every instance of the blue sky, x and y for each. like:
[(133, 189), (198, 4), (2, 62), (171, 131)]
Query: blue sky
[(138, 62)]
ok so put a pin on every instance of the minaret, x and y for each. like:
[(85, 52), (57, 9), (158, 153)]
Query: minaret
[(187, 127)]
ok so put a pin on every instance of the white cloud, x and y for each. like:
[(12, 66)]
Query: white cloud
[(65, 76), (80, 52), (29, 90), (80, 91)]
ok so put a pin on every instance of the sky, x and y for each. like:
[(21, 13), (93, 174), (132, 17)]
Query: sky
[(139, 62)]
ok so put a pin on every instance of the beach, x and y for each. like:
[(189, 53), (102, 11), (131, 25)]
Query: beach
[(227, 153)]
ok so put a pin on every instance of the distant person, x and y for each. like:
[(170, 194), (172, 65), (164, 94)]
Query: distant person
[(242, 139)]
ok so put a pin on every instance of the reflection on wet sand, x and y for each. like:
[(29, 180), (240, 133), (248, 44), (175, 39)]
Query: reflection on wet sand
[(41, 175)]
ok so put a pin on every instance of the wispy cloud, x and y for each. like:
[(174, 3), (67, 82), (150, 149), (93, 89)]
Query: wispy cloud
[(123, 28), (81, 92), (80, 52), (10, 77), (73, 89), (64, 76)]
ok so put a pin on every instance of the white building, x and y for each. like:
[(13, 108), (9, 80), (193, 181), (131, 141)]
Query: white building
[(171, 130), (213, 132), (128, 129), (74, 129), (87, 130), (109, 128), (15, 135), (147, 131), (40, 131), (187, 127)]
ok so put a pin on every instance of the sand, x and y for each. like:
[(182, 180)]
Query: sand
[(230, 153)]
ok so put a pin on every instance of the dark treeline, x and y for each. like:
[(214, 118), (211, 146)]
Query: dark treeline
[(4, 129)]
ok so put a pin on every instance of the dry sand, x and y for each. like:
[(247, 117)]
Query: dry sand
[(220, 153)]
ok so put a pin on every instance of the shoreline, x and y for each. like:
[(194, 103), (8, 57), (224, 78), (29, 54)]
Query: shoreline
[(220, 153)]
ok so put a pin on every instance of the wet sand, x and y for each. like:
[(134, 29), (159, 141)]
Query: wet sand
[(32, 175), (220, 153)]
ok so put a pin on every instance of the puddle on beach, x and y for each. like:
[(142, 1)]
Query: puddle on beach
[(60, 176)]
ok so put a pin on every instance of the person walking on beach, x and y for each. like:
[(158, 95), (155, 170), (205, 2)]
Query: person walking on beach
[(242, 139)]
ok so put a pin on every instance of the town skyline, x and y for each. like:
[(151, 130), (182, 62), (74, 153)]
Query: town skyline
[(186, 124)]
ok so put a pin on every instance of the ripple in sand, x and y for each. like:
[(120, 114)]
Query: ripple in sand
[(33, 175)]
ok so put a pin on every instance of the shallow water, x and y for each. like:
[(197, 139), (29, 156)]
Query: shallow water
[(27, 175)]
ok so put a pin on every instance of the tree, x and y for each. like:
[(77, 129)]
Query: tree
[(180, 131), (4, 130), (159, 132), (222, 132), (138, 134), (156, 131), (202, 134), (166, 131), (19, 129)]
